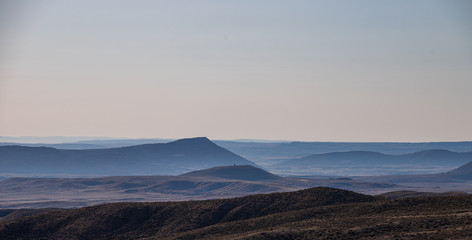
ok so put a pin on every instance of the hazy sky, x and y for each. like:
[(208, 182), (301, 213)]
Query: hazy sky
[(397, 70)]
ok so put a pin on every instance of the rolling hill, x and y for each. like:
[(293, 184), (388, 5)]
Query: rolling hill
[(317, 213), (217, 182), (374, 163), (458, 179), (138, 220), (241, 172), (462, 172), (443, 157), (261, 152), (148, 159), (266, 153)]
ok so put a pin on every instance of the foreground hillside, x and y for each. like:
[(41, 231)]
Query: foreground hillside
[(410, 218), (317, 213), (133, 220)]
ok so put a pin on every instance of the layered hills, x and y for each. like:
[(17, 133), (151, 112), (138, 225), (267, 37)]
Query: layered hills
[(317, 213), (432, 157), (217, 182), (182, 156), (268, 152), (275, 152), (375, 163), (148, 159), (458, 179)]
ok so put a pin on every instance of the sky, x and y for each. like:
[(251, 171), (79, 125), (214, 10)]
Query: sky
[(366, 70)]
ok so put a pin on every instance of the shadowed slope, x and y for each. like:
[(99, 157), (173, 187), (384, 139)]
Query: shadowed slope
[(444, 217), (318, 213), (135, 220)]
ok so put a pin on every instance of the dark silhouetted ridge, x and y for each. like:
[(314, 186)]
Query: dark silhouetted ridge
[(240, 172), (413, 194), (130, 220), (316, 213)]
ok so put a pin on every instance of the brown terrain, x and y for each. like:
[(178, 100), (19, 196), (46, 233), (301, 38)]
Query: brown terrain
[(316, 213)]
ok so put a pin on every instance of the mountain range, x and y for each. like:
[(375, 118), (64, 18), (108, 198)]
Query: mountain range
[(432, 157), (260, 152), (374, 163), (148, 159), (269, 153)]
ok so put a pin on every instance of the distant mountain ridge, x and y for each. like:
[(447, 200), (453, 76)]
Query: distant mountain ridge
[(148, 159), (274, 152), (258, 151), (432, 157)]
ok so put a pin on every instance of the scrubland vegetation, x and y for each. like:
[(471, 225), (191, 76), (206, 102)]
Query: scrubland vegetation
[(317, 213)]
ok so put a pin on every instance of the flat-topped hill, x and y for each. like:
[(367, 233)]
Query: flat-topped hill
[(148, 159), (240, 172)]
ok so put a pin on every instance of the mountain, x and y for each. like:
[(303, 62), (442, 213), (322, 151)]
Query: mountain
[(317, 213), (411, 194), (374, 163), (241, 172), (80, 143), (148, 159), (77, 146), (265, 152)]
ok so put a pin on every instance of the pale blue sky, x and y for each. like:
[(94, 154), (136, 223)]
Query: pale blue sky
[(297, 70)]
